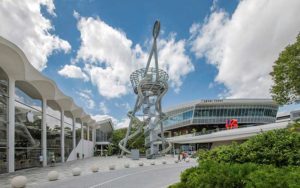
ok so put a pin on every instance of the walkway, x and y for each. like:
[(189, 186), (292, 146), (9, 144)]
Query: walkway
[(38, 176)]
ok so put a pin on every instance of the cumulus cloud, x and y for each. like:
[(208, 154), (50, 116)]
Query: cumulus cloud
[(245, 45), (86, 96), (72, 71), (123, 123), (110, 57), (103, 108), (118, 124), (125, 105), (23, 24), (99, 117)]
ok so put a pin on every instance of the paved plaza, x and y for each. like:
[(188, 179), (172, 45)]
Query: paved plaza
[(162, 175)]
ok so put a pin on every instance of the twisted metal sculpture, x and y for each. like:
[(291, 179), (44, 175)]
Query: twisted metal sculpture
[(150, 84)]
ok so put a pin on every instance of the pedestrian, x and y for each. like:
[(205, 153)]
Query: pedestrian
[(183, 155), (53, 160), (179, 159), (41, 160)]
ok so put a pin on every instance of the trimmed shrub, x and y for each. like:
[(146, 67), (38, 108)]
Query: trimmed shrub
[(277, 147), (211, 174)]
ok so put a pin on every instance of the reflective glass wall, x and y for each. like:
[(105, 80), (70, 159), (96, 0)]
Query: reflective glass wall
[(53, 123), (78, 131), (28, 130), (218, 114), (84, 131), (68, 126), (91, 134), (3, 120)]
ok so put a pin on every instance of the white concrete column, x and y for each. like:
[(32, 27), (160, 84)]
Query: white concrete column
[(11, 125), (74, 136), (44, 132), (62, 140)]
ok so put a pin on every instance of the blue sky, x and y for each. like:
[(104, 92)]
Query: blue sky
[(211, 49)]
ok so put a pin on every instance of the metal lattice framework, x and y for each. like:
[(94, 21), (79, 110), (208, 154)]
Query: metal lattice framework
[(150, 84)]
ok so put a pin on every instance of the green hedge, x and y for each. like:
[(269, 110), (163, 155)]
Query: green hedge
[(279, 147), (270, 159), (210, 174)]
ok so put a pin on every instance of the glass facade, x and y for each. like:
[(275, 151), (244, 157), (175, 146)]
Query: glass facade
[(3, 120), (84, 131), (28, 131), (101, 136), (53, 122), (219, 113), (91, 134), (179, 118), (68, 126), (78, 131)]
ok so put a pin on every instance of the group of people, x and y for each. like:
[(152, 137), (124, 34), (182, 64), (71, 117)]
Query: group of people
[(182, 156)]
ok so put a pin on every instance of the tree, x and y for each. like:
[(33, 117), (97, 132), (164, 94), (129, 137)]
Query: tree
[(286, 75), (136, 143)]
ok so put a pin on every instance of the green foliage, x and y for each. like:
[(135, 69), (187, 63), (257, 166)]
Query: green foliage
[(270, 159), (211, 174), (277, 147), (136, 143), (286, 74), (271, 177), (294, 126)]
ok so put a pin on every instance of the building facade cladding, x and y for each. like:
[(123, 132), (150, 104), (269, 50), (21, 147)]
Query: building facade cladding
[(215, 112), (36, 118)]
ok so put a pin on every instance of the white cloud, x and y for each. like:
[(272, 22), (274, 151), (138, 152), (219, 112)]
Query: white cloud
[(124, 123), (173, 59), (125, 106), (72, 71), (244, 46), (23, 24), (99, 117), (118, 124), (103, 108), (86, 96), (110, 57)]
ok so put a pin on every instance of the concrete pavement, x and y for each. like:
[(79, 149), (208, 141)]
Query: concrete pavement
[(157, 176), (38, 176)]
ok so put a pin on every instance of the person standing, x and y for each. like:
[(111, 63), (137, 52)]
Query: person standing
[(41, 160)]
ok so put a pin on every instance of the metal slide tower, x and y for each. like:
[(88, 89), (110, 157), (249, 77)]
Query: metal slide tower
[(150, 84)]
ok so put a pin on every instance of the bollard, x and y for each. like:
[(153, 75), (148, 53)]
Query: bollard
[(94, 168), (152, 163), (126, 165), (52, 175), (76, 171), (19, 182), (141, 164), (112, 167), (176, 161), (164, 162)]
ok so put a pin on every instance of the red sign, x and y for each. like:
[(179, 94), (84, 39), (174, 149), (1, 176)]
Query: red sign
[(231, 124)]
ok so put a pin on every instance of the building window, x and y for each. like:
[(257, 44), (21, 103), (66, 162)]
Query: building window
[(28, 130), (78, 132), (3, 120), (53, 123)]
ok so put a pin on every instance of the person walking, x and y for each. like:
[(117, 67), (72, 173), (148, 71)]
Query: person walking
[(53, 160), (179, 157)]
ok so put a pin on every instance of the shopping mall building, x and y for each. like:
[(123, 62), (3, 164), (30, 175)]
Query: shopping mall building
[(38, 122), (200, 118)]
